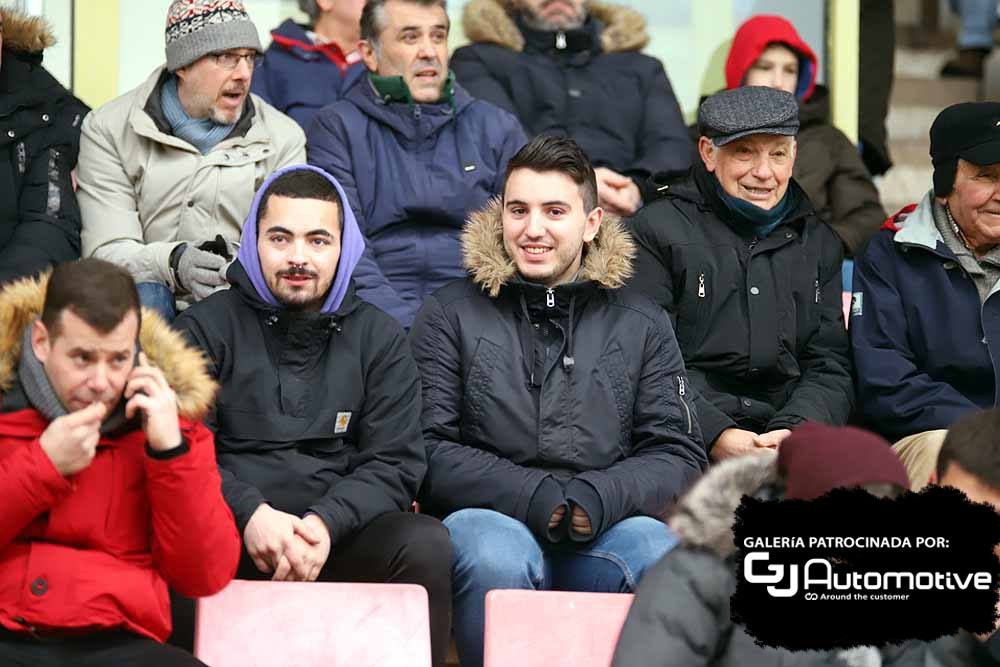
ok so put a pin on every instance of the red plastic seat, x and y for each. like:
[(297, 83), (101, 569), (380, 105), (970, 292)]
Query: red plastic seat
[(290, 624), (552, 628)]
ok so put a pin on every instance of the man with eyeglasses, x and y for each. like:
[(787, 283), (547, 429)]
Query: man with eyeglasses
[(168, 170)]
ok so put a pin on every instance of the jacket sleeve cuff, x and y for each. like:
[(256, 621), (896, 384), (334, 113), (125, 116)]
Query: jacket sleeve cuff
[(784, 421), (585, 496), (545, 501), (168, 454), (711, 429)]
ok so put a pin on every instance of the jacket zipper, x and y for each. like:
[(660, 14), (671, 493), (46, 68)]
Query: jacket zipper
[(817, 290), (682, 391), (550, 298), (701, 286)]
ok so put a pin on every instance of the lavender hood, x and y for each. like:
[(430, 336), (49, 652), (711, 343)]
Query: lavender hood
[(352, 244)]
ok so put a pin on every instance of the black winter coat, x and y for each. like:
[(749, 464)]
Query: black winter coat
[(598, 88), (39, 141), (316, 413), (760, 321), (535, 397)]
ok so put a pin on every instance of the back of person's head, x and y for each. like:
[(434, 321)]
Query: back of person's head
[(546, 153), (98, 292), (816, 459), (756, 36), (373, 17), (972, 448), (301, 184)]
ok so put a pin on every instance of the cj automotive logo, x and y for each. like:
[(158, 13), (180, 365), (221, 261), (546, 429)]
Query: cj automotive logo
[(850, 569), (819, 581)]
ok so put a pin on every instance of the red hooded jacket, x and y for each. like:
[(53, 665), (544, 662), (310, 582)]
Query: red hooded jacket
[(753, 38), (97, 550)]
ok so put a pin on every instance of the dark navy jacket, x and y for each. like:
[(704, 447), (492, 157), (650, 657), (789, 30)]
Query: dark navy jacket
[(922, 340), (412, 174), (298, 77)]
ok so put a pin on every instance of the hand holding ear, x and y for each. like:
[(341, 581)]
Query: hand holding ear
[(147, 392)]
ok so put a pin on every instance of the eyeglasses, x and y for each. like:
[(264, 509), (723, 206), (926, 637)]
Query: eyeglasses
[(228, 61)]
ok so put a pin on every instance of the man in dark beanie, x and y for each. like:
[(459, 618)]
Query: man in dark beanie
[(750, 276), (925, 314), (682, 607)]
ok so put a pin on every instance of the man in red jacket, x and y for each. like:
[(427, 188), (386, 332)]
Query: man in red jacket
[(109, 484)]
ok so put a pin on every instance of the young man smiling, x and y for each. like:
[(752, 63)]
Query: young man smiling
[(750, 277), (556, 408), (318, 419), (167, 170)]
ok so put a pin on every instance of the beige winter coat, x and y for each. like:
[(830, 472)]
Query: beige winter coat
[(142, 192)]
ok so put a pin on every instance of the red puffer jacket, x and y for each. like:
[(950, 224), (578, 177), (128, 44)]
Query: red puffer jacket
[(97, 550)]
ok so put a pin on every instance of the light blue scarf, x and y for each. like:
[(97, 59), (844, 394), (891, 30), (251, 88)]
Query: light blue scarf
[(202, 133)]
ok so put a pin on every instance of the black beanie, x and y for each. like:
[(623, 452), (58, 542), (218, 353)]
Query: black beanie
[(969, 130)]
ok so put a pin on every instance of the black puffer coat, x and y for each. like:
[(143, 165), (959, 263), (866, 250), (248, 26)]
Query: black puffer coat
[(39, 141), (316, 413), (534, 396), (760, 321), (591, 84)]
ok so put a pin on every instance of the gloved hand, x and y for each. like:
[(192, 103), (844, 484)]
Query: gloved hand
[(200, 272)]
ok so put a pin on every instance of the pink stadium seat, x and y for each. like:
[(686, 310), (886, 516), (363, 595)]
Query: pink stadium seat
[(290, 624), (552, 628)]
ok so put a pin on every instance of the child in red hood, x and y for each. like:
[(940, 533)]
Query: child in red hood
[(767, 51)]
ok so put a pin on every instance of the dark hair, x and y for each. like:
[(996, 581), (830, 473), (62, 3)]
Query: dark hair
[(301, 184), (98, 292), (973, 442), (562, 154), (373, 17)]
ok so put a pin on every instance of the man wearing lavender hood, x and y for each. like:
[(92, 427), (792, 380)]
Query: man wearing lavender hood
[(317, 422)]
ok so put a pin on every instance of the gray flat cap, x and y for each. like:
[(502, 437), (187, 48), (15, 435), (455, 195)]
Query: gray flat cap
[(731, 114)]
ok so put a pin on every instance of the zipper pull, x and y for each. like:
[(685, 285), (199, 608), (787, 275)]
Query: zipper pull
[(550, 298), (560, 40), (816, 284), (701, 286), (681, 385)]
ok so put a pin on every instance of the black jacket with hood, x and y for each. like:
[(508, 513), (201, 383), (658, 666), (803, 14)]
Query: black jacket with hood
[(318, 411), (592, 84), (536, 397), (760, 321), (39, 141)]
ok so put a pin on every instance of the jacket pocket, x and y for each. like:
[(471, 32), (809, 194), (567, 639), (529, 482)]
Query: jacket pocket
[(485, 361), (682, 395), (612, 371)]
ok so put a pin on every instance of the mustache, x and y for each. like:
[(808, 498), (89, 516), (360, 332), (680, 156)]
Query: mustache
[(297, 271)]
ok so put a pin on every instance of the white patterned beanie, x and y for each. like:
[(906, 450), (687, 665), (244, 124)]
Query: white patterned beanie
[(196, 28)]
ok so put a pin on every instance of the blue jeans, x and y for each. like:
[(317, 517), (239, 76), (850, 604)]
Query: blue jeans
[(158, 297), (492, 550), (978, 17)]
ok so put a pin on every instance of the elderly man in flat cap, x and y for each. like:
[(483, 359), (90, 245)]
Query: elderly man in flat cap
[(750, 277), (925, 316)]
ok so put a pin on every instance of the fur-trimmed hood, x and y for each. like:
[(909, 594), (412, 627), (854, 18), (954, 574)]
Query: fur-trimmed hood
[(607, 260), (492, 22), (23, 33), (704, 516), (21, 303)]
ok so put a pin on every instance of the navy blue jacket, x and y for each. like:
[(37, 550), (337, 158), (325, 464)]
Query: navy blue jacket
[(412, 175), (298, 77), (921, 337)]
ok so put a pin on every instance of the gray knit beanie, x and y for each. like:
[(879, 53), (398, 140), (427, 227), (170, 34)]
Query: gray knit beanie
[(196, 28)]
